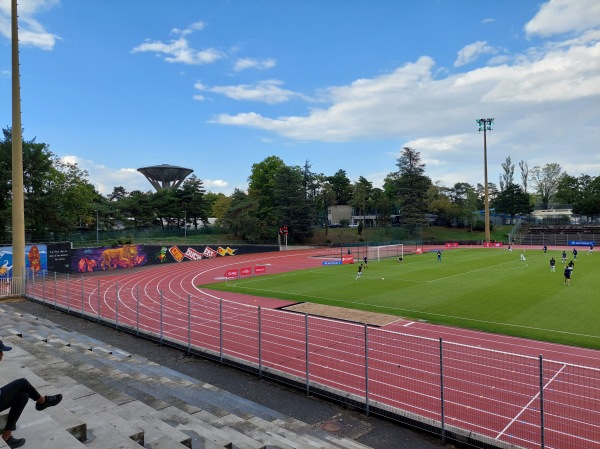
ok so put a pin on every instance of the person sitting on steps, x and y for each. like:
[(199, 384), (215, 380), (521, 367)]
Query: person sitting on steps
[(14, 396)]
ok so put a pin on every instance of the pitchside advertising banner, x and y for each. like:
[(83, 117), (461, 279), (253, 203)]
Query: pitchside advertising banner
[(245, 272), (582, 243)]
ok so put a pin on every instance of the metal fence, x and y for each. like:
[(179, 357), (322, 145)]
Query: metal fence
[(554, 239), (12, 286), (472, 395)]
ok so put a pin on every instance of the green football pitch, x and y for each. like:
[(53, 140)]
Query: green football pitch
[(491, 290)]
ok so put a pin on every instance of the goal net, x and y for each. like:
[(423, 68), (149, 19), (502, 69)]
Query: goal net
[(385, 252)]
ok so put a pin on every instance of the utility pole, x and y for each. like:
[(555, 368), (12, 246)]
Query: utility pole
[(485, 124)]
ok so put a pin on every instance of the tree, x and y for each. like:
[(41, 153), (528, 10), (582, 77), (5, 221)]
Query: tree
[(260, 187), (57, 193), (409, 186), (589, 202), (361, 197), (545, 181), (524, 174), (464, 197), (292, 207), (342, 187), (216, 203), (138, 208), (507, 177), (192, 201), (241, 216), (513, 201)]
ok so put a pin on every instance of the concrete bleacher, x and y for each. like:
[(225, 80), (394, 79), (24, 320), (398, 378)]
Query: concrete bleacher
[(114, 399)]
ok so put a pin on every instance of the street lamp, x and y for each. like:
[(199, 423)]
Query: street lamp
[(485, 124), (97, 228)]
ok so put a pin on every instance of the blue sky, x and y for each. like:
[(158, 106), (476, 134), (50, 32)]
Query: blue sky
[(218, 85)]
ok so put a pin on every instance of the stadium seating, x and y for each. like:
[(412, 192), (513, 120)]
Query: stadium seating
[(114, 399)]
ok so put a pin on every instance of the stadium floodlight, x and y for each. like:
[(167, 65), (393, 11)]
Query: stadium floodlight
[(485, 124)]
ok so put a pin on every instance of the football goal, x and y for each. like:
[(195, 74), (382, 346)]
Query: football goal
[(385, 252)]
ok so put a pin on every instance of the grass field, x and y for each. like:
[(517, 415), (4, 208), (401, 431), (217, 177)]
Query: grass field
[(485, 289)]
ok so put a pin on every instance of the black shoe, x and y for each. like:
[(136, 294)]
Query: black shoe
[(15, 442), (51, 401)]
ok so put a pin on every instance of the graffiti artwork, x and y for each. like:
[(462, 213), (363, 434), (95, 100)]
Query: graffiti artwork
[(87, 260), (36, 260)]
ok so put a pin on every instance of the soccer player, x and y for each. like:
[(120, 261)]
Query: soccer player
[(366, 260), (523, 255), (400, 259), (552, 265), (359, 274), (567, 276), (545, 249), (509, 247), (564, 257), (591, 250), (571, 265), (439, 256), (575, 253)]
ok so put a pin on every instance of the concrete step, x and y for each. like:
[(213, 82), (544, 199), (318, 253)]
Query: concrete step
[(144, 403)]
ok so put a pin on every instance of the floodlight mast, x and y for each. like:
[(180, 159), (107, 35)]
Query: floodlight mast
[(485, 124), (18, 202)]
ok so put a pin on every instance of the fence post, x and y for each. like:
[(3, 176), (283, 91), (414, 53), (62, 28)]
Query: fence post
[(68, 294), (542, 442), (189, 324), (306, 349), (442, 392), (220, 330), (55, 293), (259, 343), (98, 308), (82, 296), (44, 290), (117, 305), (366, 369), (161, 317), (137, 309)]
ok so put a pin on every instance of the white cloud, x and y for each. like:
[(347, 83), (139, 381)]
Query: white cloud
[(104, 178), (267, 91), (471, 52), (218, 183), (564, 16), (179, 50), (31, 32), (251, 63)]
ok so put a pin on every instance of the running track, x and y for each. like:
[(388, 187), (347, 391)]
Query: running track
[(491, 381)]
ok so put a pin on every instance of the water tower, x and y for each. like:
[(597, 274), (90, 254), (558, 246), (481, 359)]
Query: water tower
[(165, 176)]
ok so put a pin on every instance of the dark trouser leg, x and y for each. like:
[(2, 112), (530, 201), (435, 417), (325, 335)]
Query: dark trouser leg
[(15, 395)]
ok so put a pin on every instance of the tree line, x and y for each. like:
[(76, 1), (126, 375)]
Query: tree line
[(59, 199)]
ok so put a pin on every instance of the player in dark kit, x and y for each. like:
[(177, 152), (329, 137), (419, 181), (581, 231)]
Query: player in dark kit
[(359, 274), (552, 265), (567, 276)]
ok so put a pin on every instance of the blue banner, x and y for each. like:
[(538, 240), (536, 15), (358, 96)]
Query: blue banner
[(332, 262), (582, 243)]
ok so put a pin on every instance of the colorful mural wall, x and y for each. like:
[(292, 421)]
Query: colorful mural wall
[(87, 260), (36, 260)]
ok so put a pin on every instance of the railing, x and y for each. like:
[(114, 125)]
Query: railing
[(477, 396), (11, 287), (555, 239)]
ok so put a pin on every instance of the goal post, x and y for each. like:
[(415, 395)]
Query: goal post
[(379, 253)]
